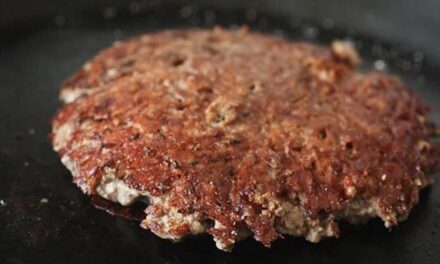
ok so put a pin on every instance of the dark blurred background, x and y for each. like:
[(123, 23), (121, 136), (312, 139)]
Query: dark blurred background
[(406, 22)]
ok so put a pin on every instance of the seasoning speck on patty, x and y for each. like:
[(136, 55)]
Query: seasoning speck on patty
[(239, 134)]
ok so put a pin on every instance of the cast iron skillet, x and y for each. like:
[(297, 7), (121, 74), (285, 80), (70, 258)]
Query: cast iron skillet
[(44, 218)]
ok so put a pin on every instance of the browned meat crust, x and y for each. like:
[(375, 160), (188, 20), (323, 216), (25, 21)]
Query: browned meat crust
[(255, 134)]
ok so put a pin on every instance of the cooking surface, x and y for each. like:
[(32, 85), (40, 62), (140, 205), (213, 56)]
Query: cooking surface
[(44, 218)]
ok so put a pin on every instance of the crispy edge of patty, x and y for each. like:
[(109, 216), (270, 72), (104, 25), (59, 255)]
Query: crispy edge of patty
[(292, 218)]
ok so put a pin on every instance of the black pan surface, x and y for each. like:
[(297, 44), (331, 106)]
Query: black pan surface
[(44, 218)]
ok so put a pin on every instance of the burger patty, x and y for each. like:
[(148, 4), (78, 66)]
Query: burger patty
[(240, 134)]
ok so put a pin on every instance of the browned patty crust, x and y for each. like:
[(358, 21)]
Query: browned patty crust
[(254, 134)]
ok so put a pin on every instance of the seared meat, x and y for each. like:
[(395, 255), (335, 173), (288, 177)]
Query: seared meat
[(240, 134)]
